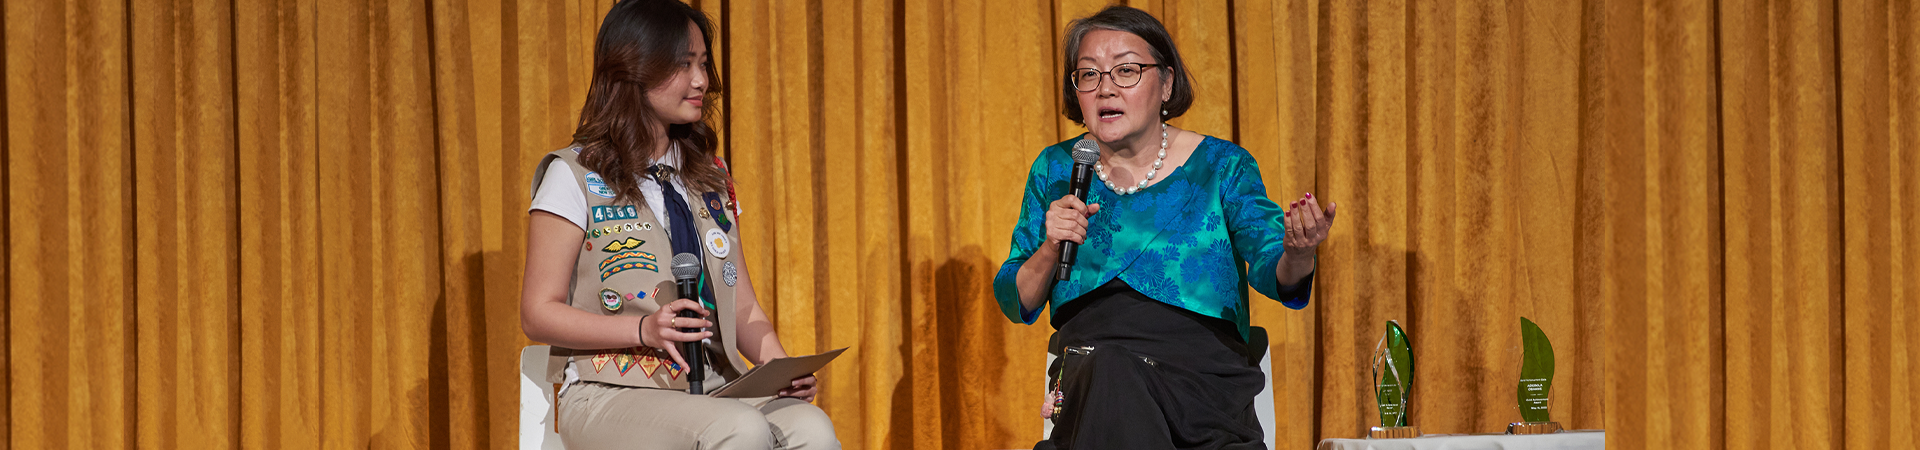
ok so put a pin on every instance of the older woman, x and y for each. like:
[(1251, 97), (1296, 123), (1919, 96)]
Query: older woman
[(1152, 320)]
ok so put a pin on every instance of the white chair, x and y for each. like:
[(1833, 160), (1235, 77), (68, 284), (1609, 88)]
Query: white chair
[(1262, 404), (536, 402)]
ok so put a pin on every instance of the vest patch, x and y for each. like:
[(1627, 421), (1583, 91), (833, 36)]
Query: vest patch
[(598, 186), (624, 362), (719, 211), (619, 245), (718, 244), (611, 299), (625, 266), (606, 213), (600, 361), (636, 254)]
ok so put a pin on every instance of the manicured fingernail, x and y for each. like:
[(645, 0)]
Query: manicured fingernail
[(1309, 195)]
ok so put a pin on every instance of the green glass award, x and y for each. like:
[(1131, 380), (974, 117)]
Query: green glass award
[(1536, 382), (1393, 384)]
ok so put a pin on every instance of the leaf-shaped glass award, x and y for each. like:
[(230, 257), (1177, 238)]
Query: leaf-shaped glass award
[(1393, 383), (1536, 381)]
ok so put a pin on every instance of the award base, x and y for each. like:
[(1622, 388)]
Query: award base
[(1533, 427), (1393, 433)]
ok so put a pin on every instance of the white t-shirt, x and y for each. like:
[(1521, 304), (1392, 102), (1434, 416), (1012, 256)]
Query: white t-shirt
[(560, 194)]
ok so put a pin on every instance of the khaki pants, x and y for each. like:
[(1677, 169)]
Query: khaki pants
[(601, 416)]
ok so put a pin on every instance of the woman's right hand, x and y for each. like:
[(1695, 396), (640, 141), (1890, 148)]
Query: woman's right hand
[(662, 329), (1067, 221)]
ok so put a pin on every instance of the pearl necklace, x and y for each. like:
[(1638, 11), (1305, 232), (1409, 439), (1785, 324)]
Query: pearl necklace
[(1101, 169)]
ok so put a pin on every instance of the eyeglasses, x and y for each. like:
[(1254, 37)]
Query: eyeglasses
[(1124, 75)]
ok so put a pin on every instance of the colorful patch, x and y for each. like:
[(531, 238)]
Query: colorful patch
[(728, 273), (606, 213), (624, 362), (596, 232), (618, 245), (598, 186), (649, 364), (600, 361), (610, 299), (717, 243), (673, 368), (719, 210), (622, 267), (636, 254)]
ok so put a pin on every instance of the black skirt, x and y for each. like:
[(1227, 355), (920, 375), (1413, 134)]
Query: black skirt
[(1140, 374)]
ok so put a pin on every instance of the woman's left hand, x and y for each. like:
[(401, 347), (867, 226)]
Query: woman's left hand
[(803, 388), (1307, 225)]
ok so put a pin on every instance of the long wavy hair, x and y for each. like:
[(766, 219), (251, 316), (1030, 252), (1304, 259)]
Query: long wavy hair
[(640, 46)]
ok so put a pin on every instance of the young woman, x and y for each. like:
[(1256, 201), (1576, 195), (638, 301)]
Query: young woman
[(640, 185)]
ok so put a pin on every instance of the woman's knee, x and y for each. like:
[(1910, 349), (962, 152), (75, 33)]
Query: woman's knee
[(801, 425), (736, 425)]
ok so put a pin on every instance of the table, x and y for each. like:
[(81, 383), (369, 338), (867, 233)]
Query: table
[(1568, 440)]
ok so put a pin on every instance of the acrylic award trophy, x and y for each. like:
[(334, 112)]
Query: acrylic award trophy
[(1393, 384), (1536, 382)]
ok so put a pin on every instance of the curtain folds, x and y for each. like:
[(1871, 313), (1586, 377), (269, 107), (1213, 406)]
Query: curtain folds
[(294, 224)]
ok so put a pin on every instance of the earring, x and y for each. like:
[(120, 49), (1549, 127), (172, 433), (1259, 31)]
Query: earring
[(1163, 112)]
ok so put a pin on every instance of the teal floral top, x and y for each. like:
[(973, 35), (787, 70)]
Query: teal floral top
[(1195, 240)]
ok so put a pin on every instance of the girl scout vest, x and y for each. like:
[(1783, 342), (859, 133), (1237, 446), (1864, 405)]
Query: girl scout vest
[(624, 270)]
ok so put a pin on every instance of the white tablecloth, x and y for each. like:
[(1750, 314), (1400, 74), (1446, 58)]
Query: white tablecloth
[(1570, 440)]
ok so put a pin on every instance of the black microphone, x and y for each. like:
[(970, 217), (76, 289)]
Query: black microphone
[(686, 276), (1085, 153)]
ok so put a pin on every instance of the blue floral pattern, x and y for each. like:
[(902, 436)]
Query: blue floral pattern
[(1197, 239)]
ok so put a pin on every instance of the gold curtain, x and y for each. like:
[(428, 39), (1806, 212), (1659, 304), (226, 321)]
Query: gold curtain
[(299, 224)]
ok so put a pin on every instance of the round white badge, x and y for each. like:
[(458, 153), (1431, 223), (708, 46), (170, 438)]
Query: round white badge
[(717, 243), (610, 299), (598, 186)]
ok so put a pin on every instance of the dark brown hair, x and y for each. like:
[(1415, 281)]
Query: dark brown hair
[(640, 46), (1139, 23)]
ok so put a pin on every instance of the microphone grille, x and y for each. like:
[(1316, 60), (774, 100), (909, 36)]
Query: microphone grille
[(686, 266), (1085, 151)]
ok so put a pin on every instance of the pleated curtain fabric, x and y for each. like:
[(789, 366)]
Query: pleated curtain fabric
[(300, 224)]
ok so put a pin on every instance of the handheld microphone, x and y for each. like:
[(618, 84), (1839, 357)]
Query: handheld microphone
[(1085, 153), (686, 276)]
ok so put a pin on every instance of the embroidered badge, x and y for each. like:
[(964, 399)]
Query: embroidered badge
[(717, 243), (622, 244), (649, 364), (626, 266), (600, 361), (606, 213), (719, 211), (598, 186), (624, 362), (610, 299), (636, 254), (673, 368), (728, 273)]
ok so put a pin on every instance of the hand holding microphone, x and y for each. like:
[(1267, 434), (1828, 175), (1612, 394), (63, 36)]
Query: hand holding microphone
[(1067, 217), (686, 276)]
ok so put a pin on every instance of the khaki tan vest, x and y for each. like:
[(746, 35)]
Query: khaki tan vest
[(624, 269)]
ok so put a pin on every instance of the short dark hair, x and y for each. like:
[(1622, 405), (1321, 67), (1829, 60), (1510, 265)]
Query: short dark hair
[(1139, 23)]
